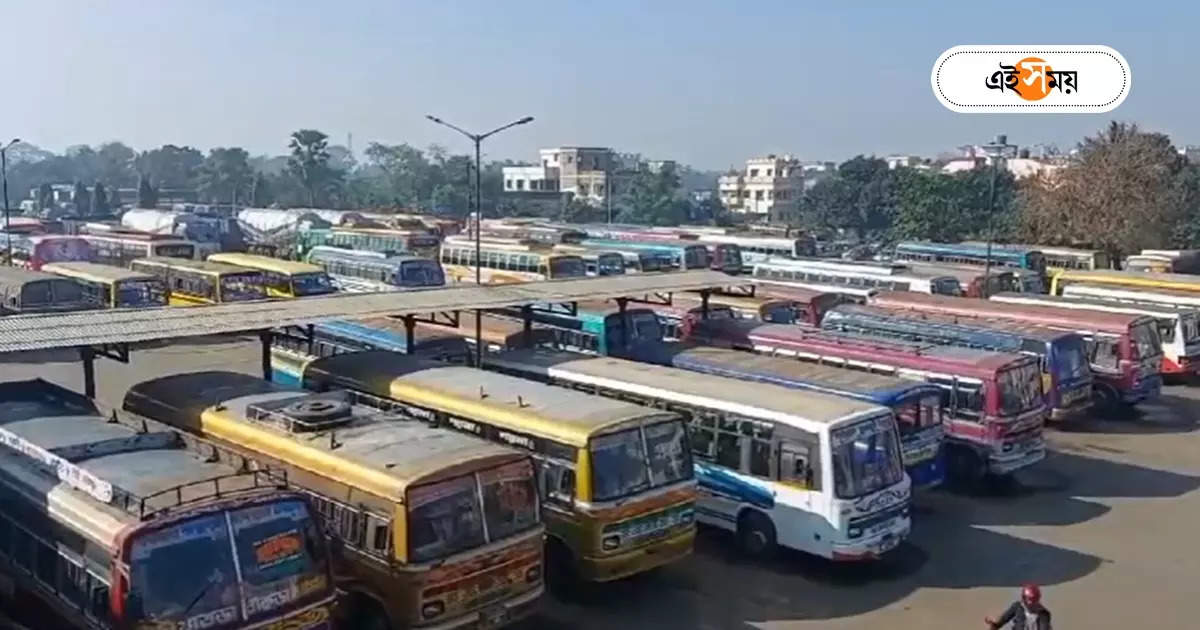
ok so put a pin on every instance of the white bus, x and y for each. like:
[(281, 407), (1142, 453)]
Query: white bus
[(868, 277), (1177, 314), (756, 249), (813, 472)]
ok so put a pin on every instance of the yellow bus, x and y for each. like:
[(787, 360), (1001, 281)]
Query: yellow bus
[(283, 278), (112, 287), (507, 260), (432, 528), (191, 282), (617, 488), (1126, 279)]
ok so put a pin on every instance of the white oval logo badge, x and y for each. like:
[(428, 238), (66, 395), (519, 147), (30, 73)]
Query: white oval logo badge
[(1031, 79)]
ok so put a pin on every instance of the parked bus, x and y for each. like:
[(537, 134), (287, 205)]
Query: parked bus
[(808, 471), (384, 241), (760, 308), (857, 295), (633, 261), (1143, 280), (601, 328), (435, 529), (855, 276), (810, 304), (1063, 356), (971, 279), (995, 410), (112, 287), (31, 251), (683, 255), (538, 232), (291, 353), (917, 406), (617, 488), (974, 254), (596, 262), (283, 278), (755, 249), (25, 291), (112, 523), (1178, 328), (508, 261), (1060, 258), (121, 248), (191, 282), (1152, 297), (1185, 261), (357, 271), (1124, 350)]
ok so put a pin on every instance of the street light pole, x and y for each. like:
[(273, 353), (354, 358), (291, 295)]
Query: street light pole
[(995, 149), (478, 139), (4, 176)]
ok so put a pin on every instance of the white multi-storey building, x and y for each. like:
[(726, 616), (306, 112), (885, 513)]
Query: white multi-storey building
[(769, 186)]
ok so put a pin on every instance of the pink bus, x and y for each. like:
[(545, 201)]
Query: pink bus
[(31, 251)]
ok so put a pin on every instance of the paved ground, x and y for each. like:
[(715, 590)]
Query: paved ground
[(1106, 524)]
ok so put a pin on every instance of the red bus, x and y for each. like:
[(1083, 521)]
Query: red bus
[(33, 251), (810, 304), (1123, 349), (994, 400)]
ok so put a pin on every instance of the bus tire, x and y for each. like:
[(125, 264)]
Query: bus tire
[(965, 467), (1105, 398), (560, 565), (366, 613), (756, 534)]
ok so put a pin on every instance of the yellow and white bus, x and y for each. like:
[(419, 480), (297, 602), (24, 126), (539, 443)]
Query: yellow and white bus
[(121, 248), (435, 529), (191, 282), (283, 278), (112, 287), (1126, 279), (617, 487), (506, 261)]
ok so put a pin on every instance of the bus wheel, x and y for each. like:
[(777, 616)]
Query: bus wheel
[(1105, 398), (966, 468), (367, 614), (756, 534), (560, 567)]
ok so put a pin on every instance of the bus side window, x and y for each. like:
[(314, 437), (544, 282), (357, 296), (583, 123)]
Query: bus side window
[(558, 483), (968, 398), (1166, 330), (797, 465)]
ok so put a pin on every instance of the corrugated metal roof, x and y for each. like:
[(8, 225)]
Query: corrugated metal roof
[(92, 328)]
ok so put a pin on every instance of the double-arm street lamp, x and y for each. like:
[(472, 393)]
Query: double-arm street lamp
[(478, 139), (996, 150), (4, 175)]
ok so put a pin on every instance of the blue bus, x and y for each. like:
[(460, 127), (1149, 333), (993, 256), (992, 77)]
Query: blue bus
[(1063, 356), (599, 328), (917, 405), (974, 254), (291, 353), (683, 256)]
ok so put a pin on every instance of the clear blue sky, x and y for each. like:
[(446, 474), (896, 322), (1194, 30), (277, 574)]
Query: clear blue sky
[(705, 83)]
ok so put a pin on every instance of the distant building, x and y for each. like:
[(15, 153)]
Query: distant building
[(906, 161), (592, 174), (1016, 161), (769, 187)]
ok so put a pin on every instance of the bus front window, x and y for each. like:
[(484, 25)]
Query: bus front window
[(646, 326), (618, 465), (695, 258), (423, 273), (311, 284), (140, 293), (670, 457), (1069, 359), (611, 264), (567, 267), (1020, 389), (160, 590), (866, 457), (444, 518), (242, 286), (509, 499), (175, 251), (1145, 341), (280, 551), (780, 314)]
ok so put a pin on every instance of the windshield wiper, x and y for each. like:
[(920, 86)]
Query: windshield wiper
[(212, 579)]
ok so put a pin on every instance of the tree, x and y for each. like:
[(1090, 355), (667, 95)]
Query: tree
[(115, 164), (407, 176), (1123, 190), (173, 167), (580, 211), (147, 194), (99, 200), (82, 199), (651, 198), (859, 197), (309, 162), (260, 191), (937, 206), (224, 174)]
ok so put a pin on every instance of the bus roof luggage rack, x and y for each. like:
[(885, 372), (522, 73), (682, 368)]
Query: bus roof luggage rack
[(150, 505), (307, 414)]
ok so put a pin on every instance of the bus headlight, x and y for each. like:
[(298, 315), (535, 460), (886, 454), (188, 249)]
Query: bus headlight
[(432, 609), (686, 517), (609, 543), (533, 574), (855, 532)]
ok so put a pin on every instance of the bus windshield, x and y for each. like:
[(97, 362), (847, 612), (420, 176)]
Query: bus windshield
[(1069, 360), (780, 314), (1020, 389), (946, 286), (696, 258), (279, 558), (567, 267), (1191, 330), (509, 499), (610, 264), (866, 457), (140, 293), (621, 467), (311, 284), (917, 413), (444, 518), (421, 273), (242, 286), (1144, 340), (178, 250)]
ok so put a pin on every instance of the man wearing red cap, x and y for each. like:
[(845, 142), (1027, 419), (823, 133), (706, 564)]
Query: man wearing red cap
[(1028, 613)]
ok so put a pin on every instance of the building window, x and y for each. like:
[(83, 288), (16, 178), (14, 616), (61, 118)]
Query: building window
[(768, 194), (508, 184), (753, 172), (520, 184), (570, 159), (768, 172), (758, 195), (584, 189)]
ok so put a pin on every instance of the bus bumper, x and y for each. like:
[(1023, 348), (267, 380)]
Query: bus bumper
[(622, 565), (1073, 403), (870, 549), (928, 474), (494, 616), (1148, 388), (1006, 463)]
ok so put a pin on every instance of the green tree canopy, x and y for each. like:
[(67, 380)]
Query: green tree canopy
[(225, 175)]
